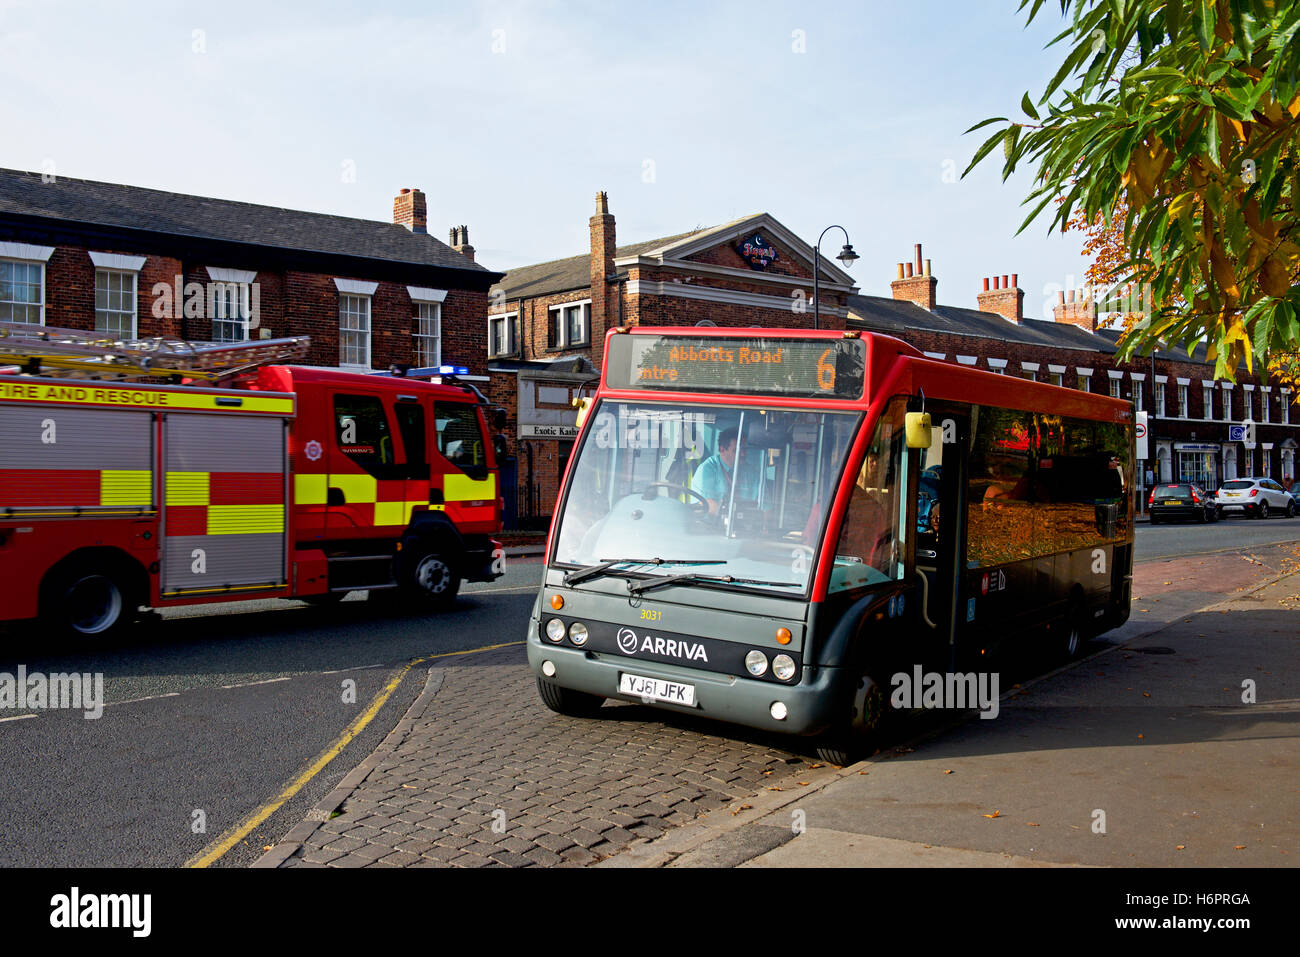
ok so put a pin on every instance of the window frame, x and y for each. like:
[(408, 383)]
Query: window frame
[(105, 272), (344, 297), (40, 264), (421, 339), (511, 321), (557, 325)]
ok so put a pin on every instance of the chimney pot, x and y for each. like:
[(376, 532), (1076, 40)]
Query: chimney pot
[(909, 270), (927, 267), (986, 283), (1061, 297), (1004, 283), (918, 259), (1015, 281), (900, 270)]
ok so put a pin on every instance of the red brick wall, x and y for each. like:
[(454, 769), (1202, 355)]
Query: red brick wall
[(290, 303)]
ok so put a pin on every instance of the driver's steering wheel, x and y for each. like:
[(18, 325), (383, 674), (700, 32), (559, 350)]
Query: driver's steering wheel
[(700, 507)]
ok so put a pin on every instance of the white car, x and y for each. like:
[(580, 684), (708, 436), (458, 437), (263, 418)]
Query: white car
[(1258, 497)]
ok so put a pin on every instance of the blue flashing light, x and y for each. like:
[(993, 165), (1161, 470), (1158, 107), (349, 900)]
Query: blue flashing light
[(453, 370)]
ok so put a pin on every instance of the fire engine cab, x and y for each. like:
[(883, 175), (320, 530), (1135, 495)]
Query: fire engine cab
[(230, 479)]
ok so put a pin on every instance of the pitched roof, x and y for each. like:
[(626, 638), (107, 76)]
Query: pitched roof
[(561, 275), (83, 201), (898, 316)]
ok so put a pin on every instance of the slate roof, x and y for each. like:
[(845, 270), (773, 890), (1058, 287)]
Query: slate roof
[(82, 201), (561, 275)]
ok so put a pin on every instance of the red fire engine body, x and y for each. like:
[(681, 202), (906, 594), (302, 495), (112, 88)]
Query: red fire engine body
[(295, 483)]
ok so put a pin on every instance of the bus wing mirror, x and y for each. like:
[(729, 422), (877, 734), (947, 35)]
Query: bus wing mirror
[(583, 406), (918, 430)]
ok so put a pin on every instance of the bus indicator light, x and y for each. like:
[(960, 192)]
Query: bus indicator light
[(783, 636), (557, 602)]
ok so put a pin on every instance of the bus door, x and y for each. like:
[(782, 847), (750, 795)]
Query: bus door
[(939, 518)]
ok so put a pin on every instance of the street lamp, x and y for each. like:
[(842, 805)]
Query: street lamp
[(846, 256)]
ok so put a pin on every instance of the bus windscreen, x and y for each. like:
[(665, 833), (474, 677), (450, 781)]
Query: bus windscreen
[(758, 365)]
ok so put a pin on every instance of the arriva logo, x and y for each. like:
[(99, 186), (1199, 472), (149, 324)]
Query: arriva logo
[(629, 643)]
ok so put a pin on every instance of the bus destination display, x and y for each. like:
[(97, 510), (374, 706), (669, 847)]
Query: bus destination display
[(831, 369)]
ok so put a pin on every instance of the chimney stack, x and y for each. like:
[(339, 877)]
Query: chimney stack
[(914, 282), (1006, 298), (460, 242), (1078, 311), (604, 302), (409, 210)]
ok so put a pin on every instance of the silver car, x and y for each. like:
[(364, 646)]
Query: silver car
[(1257, 497)]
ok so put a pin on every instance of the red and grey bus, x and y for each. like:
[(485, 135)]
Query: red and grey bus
[(762, 526)]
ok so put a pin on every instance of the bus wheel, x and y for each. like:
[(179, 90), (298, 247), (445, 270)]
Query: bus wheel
[(432, 581), (575, 704), (86, 601), (860, 736)]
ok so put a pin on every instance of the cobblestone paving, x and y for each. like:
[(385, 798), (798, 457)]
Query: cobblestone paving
[(488, 776)]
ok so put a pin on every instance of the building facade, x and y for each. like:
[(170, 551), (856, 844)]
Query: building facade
[(130, 262)]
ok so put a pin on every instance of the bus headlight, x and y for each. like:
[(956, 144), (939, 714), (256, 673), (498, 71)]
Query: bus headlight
[(756, 663), (783, 667), (555, 629), (578, 633)]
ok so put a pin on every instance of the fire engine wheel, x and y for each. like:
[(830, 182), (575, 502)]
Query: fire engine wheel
[(433, 582), (88, 602)]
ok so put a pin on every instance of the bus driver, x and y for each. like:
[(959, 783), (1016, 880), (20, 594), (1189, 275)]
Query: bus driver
[(713, 478)]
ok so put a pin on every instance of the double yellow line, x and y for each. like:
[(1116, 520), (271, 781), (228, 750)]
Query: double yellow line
[(219, 848)]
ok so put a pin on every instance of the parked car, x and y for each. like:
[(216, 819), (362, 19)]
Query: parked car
[(1184, 500), (1257, 497)]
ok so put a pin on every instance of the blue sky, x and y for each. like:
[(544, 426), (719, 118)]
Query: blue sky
[(511, 115)]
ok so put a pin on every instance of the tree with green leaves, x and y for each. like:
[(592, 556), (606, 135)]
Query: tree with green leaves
[(1180, 119)]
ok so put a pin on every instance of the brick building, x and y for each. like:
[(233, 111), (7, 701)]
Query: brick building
[(1194, 420), (135, 263), (547, 322)]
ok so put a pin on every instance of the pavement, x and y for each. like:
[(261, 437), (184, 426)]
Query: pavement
[(1174, 743)]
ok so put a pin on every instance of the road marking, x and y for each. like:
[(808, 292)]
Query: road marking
[(223, 844), (18, 717), (250, 684), (152, 697)]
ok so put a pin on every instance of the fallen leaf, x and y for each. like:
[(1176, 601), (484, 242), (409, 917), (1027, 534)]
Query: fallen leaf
[(814, 766), (862, 772), (949, 771), (771, 788), (994, 814), (803, 784), (1239, 847), (411, 786), (1181, 847), (1031, 824), (267, 847)]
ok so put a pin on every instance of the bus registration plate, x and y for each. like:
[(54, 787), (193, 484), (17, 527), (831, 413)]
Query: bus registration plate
[(655, 690)]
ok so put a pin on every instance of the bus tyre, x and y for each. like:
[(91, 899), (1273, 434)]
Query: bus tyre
[(861, 734), (575, 704), (432, 582), (88, 602)]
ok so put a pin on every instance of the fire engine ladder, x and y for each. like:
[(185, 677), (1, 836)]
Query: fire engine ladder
[(73, 353)]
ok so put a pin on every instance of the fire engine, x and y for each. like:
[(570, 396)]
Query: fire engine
[(153, 473)]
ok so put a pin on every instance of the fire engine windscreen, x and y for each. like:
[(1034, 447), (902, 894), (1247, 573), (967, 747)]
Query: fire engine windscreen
[(745, 488)]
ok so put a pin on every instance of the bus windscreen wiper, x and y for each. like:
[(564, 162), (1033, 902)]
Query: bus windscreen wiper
[(692, 578), (591, 571)]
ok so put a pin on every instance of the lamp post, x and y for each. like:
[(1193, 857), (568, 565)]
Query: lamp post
[(846, 256)]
